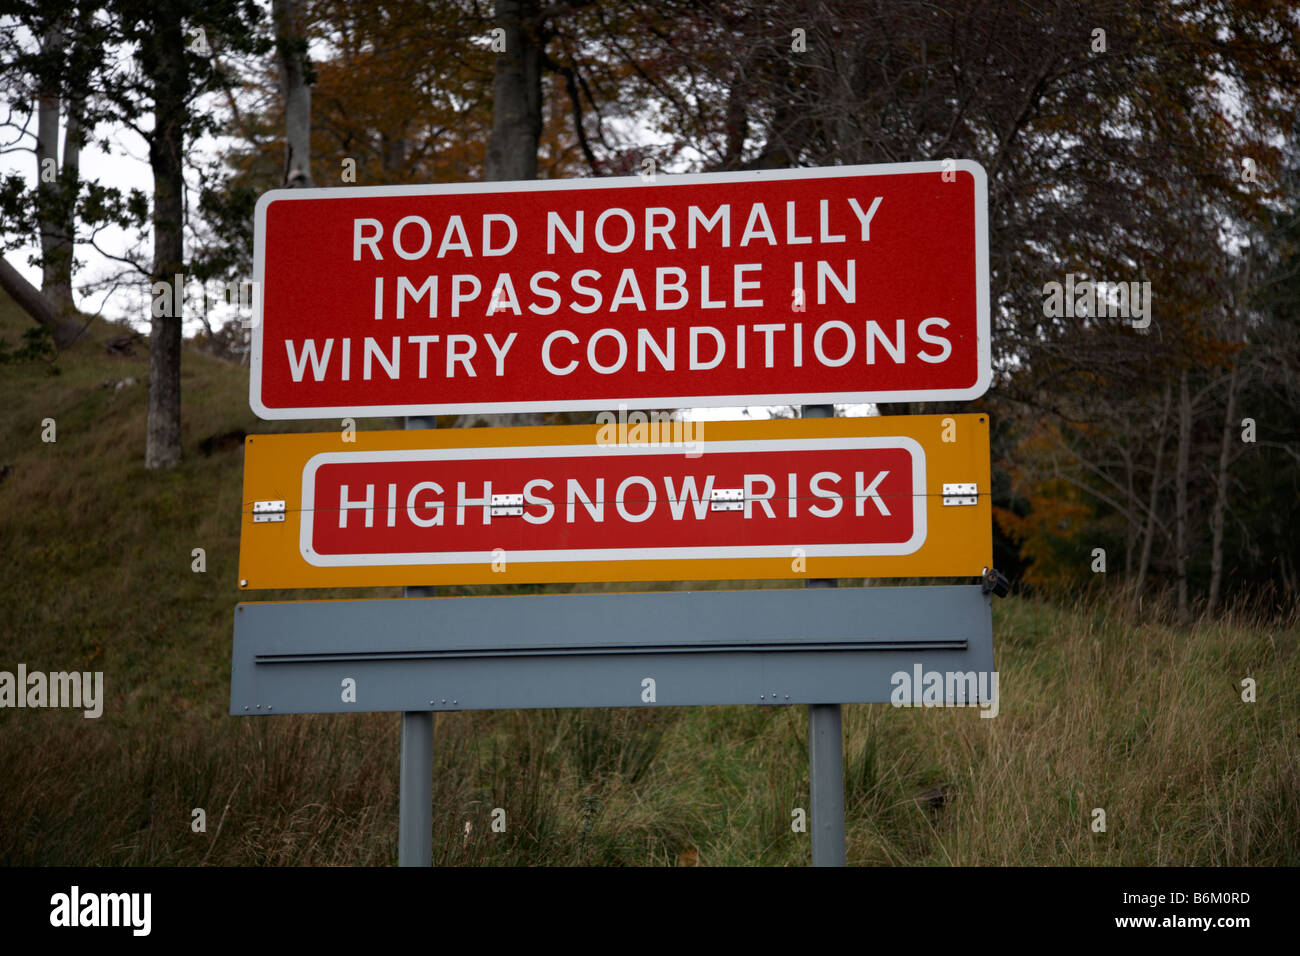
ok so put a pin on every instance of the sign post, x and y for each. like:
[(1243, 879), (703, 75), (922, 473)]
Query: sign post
[(415, 783), (415, 797), (826, 749)]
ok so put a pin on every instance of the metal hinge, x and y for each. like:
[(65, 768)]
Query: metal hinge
[(727, 499), (268, 511), (961, 494), (504, 506)]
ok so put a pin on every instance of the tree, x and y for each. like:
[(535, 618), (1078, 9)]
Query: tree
[(48, 61), (516, 91), (295, 88), (165, 67), (173, 42), (1112, 136)]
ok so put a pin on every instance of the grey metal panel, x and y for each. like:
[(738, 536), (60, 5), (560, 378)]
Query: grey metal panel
[(781, 646)]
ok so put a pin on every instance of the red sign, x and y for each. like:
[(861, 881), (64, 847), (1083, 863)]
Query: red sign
[(830, 497), (806, 286)]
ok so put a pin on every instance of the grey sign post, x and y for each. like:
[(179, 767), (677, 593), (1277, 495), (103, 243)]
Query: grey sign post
[(826, 749), (415, 786)]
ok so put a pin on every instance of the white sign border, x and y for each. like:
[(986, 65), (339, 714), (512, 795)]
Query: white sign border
[(983, 333), (547, 556)]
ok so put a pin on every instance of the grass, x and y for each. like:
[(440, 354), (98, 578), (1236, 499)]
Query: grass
[(1102, 706)]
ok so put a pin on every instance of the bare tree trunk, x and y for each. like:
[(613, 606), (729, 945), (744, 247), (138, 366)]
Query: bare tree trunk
[(1180, 491), (169, 78), (58, 264), (1221, 494), (57, 185), (516, 94), (292, 55), (1131, 500), (1218, 516), (897, 408), (395, 149), (516, 125), (1153, 497), (47, 164), (29, 299), (1289, 577), (737, 127)]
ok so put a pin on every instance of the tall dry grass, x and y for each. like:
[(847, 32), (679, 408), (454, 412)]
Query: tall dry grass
[(1104, 704)]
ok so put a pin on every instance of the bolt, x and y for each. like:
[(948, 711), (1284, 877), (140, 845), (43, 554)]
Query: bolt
[(760, 696)]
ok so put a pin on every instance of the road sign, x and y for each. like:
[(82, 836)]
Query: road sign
[(830, 498), (803, 286), (776, 646)]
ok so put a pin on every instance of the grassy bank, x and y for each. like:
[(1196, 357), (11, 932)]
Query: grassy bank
[(1102, 706)]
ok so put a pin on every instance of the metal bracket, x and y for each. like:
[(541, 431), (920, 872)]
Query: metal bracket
[(994, 581), (504, 506), (727, 499), (268, 511), (960, 494)]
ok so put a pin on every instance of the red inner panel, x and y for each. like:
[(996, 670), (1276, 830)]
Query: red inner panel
[(368, 484)]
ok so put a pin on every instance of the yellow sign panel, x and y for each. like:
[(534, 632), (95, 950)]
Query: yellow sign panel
[(634, 501)]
